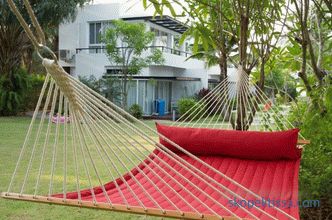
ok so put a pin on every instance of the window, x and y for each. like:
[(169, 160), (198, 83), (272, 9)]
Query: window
[(113, 71), (163, 90), (176, 44), (95, 32), (188, 47), (160, 37)]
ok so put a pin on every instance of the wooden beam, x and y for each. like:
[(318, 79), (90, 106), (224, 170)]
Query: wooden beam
[(115, 207), (303, 142)]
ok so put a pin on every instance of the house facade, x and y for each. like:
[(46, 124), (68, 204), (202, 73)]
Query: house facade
[(82, 54)]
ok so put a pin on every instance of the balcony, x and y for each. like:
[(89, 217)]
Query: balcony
[(94, 60), (164, 49)]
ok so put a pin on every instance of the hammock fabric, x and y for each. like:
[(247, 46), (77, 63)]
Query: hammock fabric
[(274, 178), (255, 145)]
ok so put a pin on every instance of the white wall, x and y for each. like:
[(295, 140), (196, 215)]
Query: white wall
[(181, 89), (76, 34), (91, 64), (214, 73), (174, 65)]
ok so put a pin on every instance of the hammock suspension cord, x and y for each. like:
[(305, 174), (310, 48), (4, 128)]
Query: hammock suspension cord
[(118, 143)]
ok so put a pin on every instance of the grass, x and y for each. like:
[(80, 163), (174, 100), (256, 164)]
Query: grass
[(12, 134)]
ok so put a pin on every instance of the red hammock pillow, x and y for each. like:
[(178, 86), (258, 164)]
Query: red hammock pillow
[(240, 144)]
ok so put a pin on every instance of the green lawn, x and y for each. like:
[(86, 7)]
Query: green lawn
[(12, 133)]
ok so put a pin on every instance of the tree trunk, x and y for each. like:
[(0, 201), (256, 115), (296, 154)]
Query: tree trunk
[(28, 60), (241, 113), (242, 92), (223, 66), (303, 73), (328, 5), (262, 75), (13, 44), (56, 43), (221, 43), (319, 74), (302, 13), (124, 91), (244, 25)]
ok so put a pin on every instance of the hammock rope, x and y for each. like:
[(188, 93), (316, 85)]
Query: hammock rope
[(88, 96), (97, 110), (142, 146), (249, 100), (126, 146), (103, 141)]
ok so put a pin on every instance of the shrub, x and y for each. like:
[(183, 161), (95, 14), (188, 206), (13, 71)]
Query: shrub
[(136, 111), (187, 110), (212, 101), (202, 93), (31, 97), (92, 82), (111, 88), (316, 166), (13, 88)]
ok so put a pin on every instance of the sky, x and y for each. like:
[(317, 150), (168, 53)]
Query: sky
[(134, 7), (131, 6)]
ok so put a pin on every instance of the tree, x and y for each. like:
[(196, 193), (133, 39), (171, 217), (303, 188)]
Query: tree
[(241, 31), (277, 78), (310, 43), (302, 60), (16, 47), (60, 10), (127, 47), (212, 31), (111, 88)]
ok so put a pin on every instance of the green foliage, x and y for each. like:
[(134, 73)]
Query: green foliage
[(136, 111), (91, 81), (14, 43), (221, 29), (130, 55), (31, 97), (134, 41), (111, 88), (185, 104), (316, 165), (188, 110), (209, 102), (15, 46), (278, 81), (202, 93), (13, 88), (309, 44), (61, 10)]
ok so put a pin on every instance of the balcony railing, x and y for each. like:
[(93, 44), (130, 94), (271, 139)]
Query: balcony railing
[(102, 49)]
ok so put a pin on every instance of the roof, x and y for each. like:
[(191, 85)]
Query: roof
[(164, 21)]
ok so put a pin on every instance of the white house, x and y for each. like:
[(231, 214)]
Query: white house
[(81, 53)]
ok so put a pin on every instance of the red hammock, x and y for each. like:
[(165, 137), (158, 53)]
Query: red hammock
[(274, 178)]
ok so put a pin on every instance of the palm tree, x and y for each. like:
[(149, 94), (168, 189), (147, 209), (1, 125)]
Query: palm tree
[(13, 41)]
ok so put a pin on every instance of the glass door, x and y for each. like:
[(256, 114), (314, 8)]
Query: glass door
[(163, 91)]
